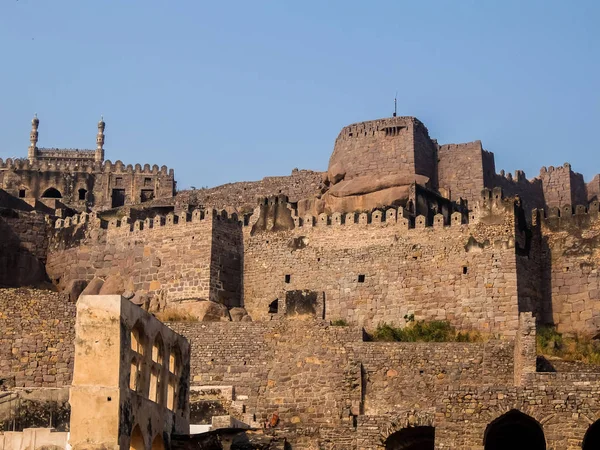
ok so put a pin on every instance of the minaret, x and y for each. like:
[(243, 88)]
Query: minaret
[(33, 138), (100, 141)]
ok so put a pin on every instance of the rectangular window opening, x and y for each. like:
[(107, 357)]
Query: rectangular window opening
[(147, 195), (288, 278), (361, 278), (21, 193)]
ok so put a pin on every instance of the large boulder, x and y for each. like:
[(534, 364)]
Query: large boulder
[(75, 288), (93, 287), (237, 314), (114, 285), (140, 298), (367, 184), (200, 310), (336, 173)]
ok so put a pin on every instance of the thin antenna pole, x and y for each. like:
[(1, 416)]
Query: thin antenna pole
[(396, 104)]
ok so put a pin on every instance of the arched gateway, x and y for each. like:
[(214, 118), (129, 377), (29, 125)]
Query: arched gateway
[(412, 438), (514, 431)]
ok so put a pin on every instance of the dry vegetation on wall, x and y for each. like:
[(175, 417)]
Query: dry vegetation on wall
[(170, 315), (422, 331), (570, 348)]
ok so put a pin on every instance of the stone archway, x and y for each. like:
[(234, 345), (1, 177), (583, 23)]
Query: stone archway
[(412, 438), (515, 431), (591, 440)]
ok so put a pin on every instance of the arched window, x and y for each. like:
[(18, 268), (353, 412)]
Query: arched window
[(156, 382), (174, 370), (136, 442), (137, 335), (51, 193), (158, 350), (591, 440), (158, 443), (137, 356), (412, 438), (515, 431)]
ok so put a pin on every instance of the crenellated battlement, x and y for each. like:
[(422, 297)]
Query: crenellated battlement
[(567, 216), (491, 203), (390, 126), (393, 217), (85, 166), (566, 167), (125, 224)]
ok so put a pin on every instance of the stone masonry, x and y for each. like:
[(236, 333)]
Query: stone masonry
[(291, 286)]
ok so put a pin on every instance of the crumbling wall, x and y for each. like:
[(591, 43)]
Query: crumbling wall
[(23, 247), (36, 344)]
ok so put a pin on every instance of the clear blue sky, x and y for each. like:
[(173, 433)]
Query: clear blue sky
[(229, 91)]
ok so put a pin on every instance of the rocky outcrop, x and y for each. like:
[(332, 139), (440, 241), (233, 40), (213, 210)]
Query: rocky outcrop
[(94, 287)]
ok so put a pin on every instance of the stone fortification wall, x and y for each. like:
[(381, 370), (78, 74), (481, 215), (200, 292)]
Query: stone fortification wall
[(373, 270), (183, 256), (316, 377), (303, 370), (530, 192), (556, 182), (461, 172), (23, 247), (36, 345), (593, 189), (568, 244), (310, 373), (96, 182), (411, 375), (393, 146), (465, 169)]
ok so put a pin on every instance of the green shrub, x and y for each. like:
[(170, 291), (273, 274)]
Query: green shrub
[(422, 331), (576, 348), (339, 323)]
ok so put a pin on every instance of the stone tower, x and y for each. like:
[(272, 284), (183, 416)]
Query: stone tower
[(99, 156), (33, 139)]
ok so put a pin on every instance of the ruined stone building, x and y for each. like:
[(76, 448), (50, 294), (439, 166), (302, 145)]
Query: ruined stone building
[(82, 179), (269, 292)]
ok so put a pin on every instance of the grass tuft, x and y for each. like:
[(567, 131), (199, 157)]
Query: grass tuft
[(175, 316), (421, 331), (339, 323), (576, 348)]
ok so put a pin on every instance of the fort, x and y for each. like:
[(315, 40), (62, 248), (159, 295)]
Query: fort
[(245, 316)]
